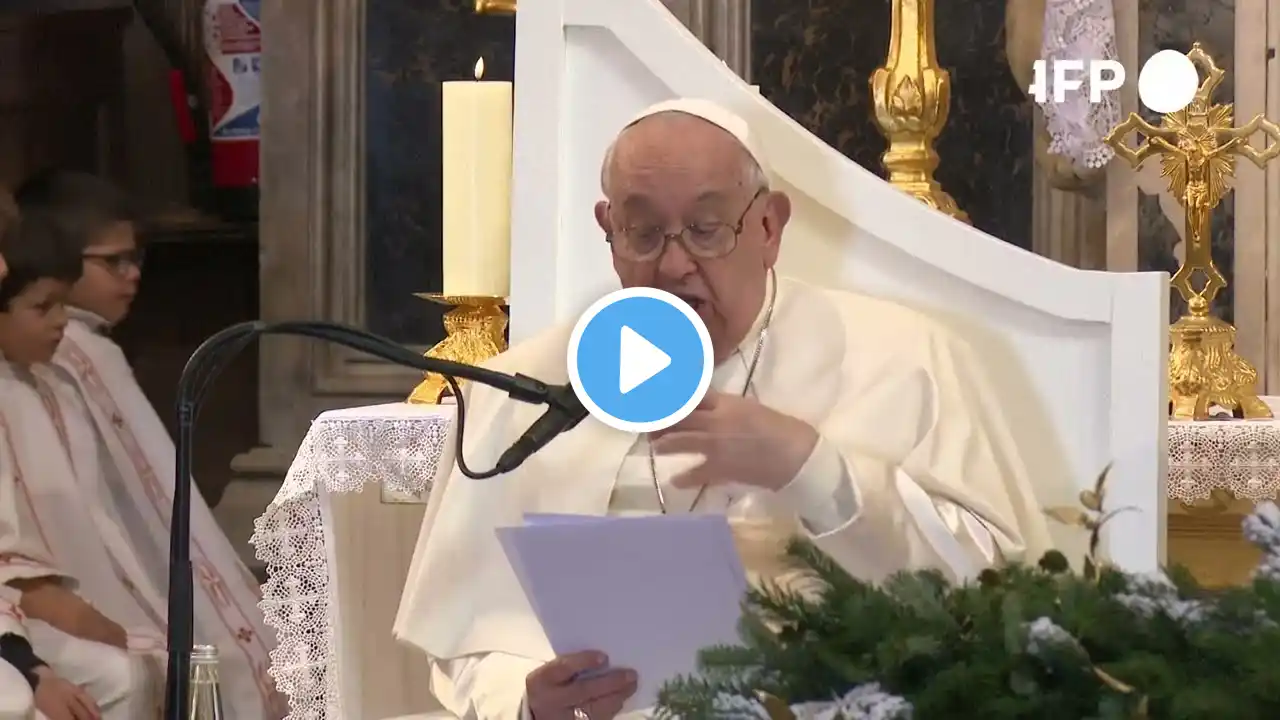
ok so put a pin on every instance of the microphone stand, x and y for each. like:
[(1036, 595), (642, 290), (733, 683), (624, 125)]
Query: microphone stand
[(202, 368)]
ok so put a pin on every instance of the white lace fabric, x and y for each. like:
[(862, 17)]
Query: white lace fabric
[(1242, 456), (1080, 30), (393, 447)]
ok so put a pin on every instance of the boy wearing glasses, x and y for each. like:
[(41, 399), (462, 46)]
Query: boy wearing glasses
[(69, 585), (137, 452)]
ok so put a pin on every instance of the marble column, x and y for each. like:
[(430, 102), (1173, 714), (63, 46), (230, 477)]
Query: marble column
[(313, 249), (1068, 226), (724, 26)]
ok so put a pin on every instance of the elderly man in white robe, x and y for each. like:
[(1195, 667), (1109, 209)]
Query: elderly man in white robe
[(858, 423)]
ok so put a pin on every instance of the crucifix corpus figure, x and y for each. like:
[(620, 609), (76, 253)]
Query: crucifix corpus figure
[(1197, 147)]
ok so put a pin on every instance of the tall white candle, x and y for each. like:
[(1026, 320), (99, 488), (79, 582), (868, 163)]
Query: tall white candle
[(476, 127)]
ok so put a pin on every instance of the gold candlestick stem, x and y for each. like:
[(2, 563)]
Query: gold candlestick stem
[(1197, 147), (912, 97), (474, 332), (495, 7)]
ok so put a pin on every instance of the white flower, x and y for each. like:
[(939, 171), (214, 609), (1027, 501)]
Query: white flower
[(1262, 527), (736, 707), (865, 702), (1043, 633), (1154, 593), (1269, 568)]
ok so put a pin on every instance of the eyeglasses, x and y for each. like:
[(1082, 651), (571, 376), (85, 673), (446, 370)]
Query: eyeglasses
[(119, 262), (705, 240)]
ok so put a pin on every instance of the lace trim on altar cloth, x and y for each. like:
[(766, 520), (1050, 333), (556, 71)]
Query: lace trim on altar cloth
[(396, 446), (1242, 456), (1079, 30)]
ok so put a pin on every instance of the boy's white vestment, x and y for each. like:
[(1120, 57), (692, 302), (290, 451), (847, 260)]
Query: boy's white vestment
[(56, 522), (137, 457)]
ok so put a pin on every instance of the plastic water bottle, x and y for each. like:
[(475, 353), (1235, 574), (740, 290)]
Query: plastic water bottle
[(206, 696)]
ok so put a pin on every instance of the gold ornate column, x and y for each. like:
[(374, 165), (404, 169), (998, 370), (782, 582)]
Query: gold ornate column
[(912, 97)]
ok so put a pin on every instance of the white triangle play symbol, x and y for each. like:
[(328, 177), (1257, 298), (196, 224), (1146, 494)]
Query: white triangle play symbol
[(638, 361)]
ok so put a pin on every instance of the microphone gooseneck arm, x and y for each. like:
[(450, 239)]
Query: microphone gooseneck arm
[(563, 413), (204, 366)]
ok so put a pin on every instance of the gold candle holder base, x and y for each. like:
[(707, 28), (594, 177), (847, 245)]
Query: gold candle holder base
[(1204, 370), (474, 332)]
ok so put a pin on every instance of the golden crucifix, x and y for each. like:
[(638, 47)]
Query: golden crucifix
[(1197, 147)]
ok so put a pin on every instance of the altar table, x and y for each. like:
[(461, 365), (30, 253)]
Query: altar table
[(338, 539), (337, 542), (1241, 456)]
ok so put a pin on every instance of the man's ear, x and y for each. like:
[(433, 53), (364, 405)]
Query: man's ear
[(602, 217), (777, 213)]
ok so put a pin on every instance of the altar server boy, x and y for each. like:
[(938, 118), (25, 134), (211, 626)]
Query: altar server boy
[(136, 450), (82, 604)]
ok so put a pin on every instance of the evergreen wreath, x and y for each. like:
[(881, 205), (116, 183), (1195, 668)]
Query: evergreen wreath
[(1020, 643)]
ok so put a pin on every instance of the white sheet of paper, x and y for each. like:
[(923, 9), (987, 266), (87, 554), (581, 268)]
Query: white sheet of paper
[(649, 592)]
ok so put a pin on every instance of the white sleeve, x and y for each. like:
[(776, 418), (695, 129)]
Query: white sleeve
[(487, 686), (826, 497)]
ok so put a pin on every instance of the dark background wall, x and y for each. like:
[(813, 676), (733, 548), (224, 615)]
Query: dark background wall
[(814, 60), (414, 46)]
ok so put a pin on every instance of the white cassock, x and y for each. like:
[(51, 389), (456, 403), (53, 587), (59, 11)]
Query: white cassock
[(54, 523), (914, 469), (138, 456)]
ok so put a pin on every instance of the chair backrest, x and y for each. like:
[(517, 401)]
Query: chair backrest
[(1081, 355)]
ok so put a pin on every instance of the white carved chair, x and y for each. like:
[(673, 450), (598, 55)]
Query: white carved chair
[(1081, 355)]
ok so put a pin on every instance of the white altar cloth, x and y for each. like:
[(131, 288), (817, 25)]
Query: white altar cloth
[(337, 542), (1242, 456), (309, 534)]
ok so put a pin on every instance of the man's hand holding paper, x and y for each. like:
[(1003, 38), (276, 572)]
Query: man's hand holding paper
[(580, 683), (638, 596)]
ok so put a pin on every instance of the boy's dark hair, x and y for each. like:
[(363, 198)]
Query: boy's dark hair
[(35, 248), (80, 204)]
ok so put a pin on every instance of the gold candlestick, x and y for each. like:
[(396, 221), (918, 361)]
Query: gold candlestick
[(1197, 147), (495, 7), (474, 332), (912, 97)]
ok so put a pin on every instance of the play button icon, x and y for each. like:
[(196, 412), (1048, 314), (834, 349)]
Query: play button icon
[(640, 359)]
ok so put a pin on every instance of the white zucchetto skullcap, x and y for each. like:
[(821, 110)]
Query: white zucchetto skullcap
[(714, 114)]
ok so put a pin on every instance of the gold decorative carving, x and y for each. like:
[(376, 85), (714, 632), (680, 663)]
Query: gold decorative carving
[(1197, 147), (495, 7), (912, 96), (474, 332)]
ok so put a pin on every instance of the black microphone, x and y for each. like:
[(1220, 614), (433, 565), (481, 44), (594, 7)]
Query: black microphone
[(203, 367), (564, 413)]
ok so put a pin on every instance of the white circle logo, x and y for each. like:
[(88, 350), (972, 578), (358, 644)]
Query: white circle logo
[(1168, 82)]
